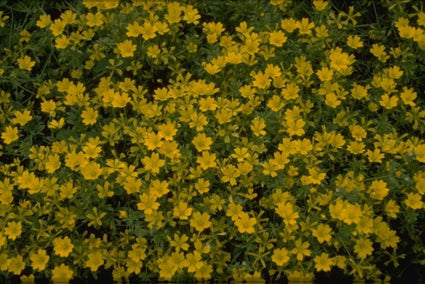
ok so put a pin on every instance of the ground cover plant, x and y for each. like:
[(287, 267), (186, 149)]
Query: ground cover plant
[(211, 140)]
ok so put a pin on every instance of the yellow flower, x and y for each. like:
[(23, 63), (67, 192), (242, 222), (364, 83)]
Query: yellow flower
[(414, 201), (62, 274), (56, 124), (356, 147), (75, 160), (13, 230), (134, 29), (132, 185), (207, 160), (408, 96), (320, 5), (67, 190), (288, 24), (420, 153), (148, 31), (153, 163), (245, 223), (126, 48), (49, 106), (378, 51), (304, 26), (325, 74), (89, 116), (392, 209), (22, 117), (291, 91), (257, 126), (365, 225), (230, 174), (375, 156), (332, 100), (323, 233), (16, 265), (147, 203), (68, 17), (174, 10), (295, 127), (280, 256), (287, 211), (363, 247), (341, 61), (378, 189), (323, 262), (261, 80), (191, 15), (359, 92), (25, 63), (270, 168), (91, 170), (200, 221), (95, 20), (167, 130), (202, 142), (315, 177), (207, 104), (275, 103), (388, 102), (354, 42), (182, 211), (10, 134), (3, 19), (179, 242), (277, 38), (62, 246), (62, 42), (153, 51), (204, 272), (301, 249), (57, 27), (202, 186), (39, 259), (234, 58), (159, 188), (52, 163), (198, 120), (94, 260), (358, 132), (101, 4), (193, 261)]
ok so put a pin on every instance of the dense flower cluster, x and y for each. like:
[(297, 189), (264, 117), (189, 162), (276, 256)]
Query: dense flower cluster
[(148, 139)]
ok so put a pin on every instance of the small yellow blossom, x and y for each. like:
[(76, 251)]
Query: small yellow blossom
[(89, 116), (277, 38), (39, 259), (280, 256), (414, 201), (320, 5), (3, 19), (22, 117), (62, 274), (10, 134), (323, 262), (200, 221), (25, 63), (354, 42), (126, 48), (13, 230), (62, 246)]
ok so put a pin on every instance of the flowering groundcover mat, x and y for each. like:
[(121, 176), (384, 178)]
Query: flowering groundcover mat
[(225, 140)]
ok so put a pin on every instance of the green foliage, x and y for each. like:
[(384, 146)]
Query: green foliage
[(225, 140)]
